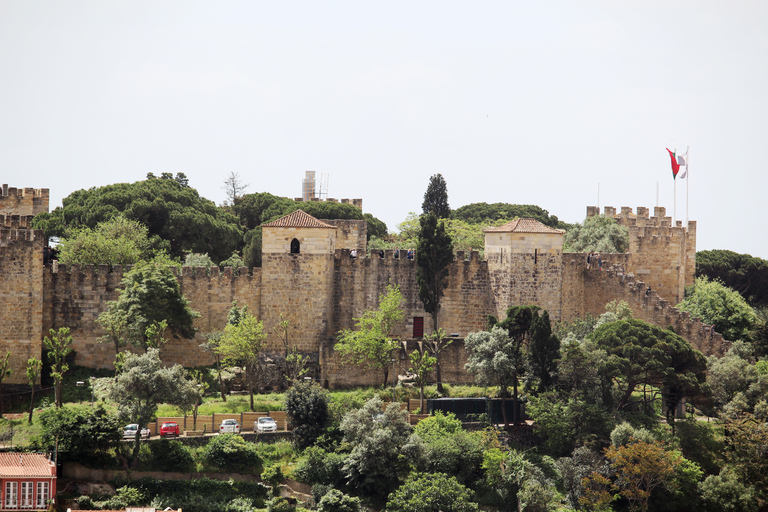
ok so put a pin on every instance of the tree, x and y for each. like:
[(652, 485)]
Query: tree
[(378, 440), (169, 209), (117, 241), (76, 432), (114, 321), (242, 342), (433, 255), (436, 198), (151, 295), (431, 493), (194, 259), (721, 306), (234, 187), (641, 355), (421, 364), (370, 345), (597, 234), (492, 359), (233, 453), (500, 213), (741, 272), (59, 345), (336, 501), (211, 346), (306, 405), (144, 383), (640, 468), (34, 365), (543, 352)]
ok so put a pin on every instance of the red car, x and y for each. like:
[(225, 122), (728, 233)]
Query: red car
[(169, 428)]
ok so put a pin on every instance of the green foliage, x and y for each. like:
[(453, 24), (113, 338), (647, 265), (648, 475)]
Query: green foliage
[(307, 407), (717, 304), (741, 272), (543, 353), (378, 441), (117, 241), (369, 345), (625, 434), (231, 453), (438, 425), (493, 358), (726, 492), (433, 255), (150, 295), (318, 466), (421, 365), (83, 433), (273, 475), (458, 454), (279, 504), (170, 456), (234, 261), (733, 378), (436, 198), (194, 259), (58, 346), (169, 209), (241, 343), (336, 501), (144, 383), (431, 493), (643, 355), (464, 236), (575, 471), (203, 494), (597, 234), (484, 213)]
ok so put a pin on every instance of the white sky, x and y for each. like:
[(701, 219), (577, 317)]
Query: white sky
[(517, 102)]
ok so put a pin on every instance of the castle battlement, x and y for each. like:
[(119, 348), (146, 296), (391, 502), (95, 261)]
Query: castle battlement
[(23, 201), (10, 235), (78, 273), (353, 202), (16, 221), (626, 217)]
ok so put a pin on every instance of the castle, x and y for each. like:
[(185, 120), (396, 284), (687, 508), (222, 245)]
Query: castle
[(309, 277)]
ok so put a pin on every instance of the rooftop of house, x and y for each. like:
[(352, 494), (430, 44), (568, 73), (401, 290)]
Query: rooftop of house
[(524, 225), (297, 219), (25, 465)]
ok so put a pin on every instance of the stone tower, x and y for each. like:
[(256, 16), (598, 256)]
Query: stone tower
[(297, 279), (525, 262)]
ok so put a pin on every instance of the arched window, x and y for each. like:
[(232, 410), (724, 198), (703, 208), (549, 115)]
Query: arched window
[(295, 246)]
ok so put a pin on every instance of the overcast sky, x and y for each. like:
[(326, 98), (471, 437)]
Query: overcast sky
[(520, 102)]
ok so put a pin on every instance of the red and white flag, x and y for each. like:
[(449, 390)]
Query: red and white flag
[(678, 161)]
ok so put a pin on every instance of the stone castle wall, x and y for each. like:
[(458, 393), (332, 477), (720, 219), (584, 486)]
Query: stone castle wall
[(23, 201), (75, 296), (21, 289)]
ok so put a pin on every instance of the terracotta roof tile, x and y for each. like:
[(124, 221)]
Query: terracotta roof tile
[(298, 219), (24, 464), (524, 225)]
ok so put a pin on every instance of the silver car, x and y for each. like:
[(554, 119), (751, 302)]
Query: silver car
[(229, 426), (265, 424), (129, 432)]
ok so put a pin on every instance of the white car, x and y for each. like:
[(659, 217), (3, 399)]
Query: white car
[(265, 424), (129, 432), (229, 426)]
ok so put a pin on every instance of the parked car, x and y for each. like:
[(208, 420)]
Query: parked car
[(169, 428), (129, 432), (265, 424), (229, 426)]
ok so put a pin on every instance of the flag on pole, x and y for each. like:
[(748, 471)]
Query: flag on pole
[(682, 161), (677, 162)]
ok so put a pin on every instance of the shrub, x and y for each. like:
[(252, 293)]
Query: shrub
[(307, 408), (321, 467), (279, 505), (439, 425), (203, 494), (431, 493), (336, 501), (273, 475), (232, 453), (85, 503), (170, 456)]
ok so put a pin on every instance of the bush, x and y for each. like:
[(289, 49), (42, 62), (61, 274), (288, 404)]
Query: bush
[(170, 456), (439, 425), (232, 453), (321, 467), (279, 505), (431, 493), (336, 501), (273, 475), (85, 503), (203, 494)]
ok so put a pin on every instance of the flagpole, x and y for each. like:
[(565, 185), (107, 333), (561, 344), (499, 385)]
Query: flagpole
[(674, 193), (687, 181)]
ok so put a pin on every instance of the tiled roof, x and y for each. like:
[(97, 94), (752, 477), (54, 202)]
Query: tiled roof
[(524, 225), (24, 464), (297, 219)]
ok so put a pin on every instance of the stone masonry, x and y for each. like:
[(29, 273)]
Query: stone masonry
[(308, 277)]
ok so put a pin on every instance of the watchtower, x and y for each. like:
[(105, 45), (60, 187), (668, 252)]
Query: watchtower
[(525, 259)]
